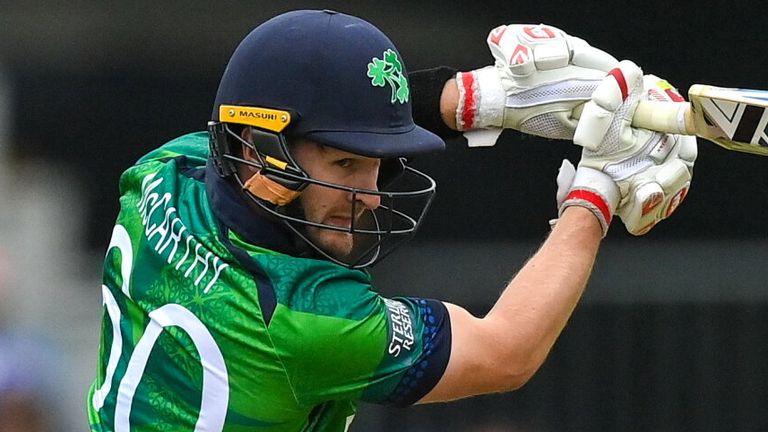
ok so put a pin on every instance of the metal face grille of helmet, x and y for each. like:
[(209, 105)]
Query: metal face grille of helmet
[(336, 80)]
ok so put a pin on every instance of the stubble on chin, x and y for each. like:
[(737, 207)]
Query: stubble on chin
[(338, 244)]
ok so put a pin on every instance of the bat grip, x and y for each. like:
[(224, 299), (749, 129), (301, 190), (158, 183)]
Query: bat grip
[(669, 117)]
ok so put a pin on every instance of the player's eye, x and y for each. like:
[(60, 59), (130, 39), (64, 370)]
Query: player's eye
[(344, 163)]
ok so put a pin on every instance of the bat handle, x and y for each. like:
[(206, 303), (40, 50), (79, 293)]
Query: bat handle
[(669, 117), (659, 116)]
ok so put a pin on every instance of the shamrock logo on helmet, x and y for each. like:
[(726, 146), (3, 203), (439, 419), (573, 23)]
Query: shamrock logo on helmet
[(389, 70)]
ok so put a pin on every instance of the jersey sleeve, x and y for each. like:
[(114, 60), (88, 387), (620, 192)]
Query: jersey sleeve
[(425, 322), (351, 343), (193, 147)]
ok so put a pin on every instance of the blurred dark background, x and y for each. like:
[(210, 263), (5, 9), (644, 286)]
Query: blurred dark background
[(99, 84), (95, 85)]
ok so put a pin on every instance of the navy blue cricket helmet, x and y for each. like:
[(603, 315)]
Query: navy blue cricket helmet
[(336, 80)]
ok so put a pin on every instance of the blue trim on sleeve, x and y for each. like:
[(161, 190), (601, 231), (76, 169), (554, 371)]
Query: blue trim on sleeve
[(424, 374)]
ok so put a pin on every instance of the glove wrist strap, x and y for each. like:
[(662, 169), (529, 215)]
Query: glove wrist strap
[(481, 99), (596, 191)]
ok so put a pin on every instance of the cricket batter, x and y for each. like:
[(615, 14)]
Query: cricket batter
[(236, 296)]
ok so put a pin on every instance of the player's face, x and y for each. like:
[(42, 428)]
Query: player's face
[(332, 206)]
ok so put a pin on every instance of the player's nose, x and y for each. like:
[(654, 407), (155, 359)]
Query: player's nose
[(370, 201), (368, 182)]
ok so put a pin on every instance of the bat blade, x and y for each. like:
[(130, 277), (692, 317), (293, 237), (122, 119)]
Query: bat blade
[(736, 119)]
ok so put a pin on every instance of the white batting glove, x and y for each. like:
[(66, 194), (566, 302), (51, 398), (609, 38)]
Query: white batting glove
[(656, 192), (540, 74), (565, 175), (643, 174), (589, 188)]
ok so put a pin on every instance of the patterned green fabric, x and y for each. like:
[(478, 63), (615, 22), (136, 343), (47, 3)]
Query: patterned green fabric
[(185, 344)]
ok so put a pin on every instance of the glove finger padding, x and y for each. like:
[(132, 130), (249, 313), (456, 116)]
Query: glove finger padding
[(609, 112), (531, 55), (586, 56), (655, 200), (539, 76)]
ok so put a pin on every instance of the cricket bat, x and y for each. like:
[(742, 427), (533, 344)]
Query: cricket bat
[(736, 119)]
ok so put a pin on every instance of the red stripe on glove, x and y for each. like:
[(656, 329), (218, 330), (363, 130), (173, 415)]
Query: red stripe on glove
[(468, 113), (591, 197), (618, 75), (674, 95)]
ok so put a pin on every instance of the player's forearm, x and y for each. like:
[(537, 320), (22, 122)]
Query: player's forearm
[(449, 101), (538, 302)]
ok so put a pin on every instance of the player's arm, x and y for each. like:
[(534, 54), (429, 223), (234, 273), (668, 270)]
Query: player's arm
[(503, 350), (449, 103)]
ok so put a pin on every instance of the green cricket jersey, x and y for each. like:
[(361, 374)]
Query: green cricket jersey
[(215, 320)]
